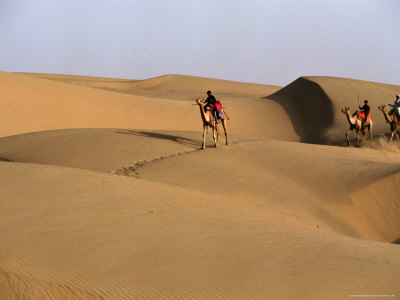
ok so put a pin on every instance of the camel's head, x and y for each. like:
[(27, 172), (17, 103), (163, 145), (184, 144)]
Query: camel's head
[(382, 108), (345, 110), (200, 101)]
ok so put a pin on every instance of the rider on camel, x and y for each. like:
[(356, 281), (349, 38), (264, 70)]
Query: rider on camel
[(211, 100), (366, 110), (396, 106)]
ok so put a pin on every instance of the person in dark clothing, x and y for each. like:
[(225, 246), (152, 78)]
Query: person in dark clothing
[(211, 100), (365, 109)]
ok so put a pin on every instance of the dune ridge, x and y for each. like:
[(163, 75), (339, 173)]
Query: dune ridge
[(170, 82)]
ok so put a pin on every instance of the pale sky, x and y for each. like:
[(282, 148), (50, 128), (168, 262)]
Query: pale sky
[(260, 41)]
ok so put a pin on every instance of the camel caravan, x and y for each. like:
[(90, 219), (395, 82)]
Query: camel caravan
[(361, 119), (212, 114)]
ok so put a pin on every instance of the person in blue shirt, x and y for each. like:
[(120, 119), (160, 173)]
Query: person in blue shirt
[(396, 106), (210, 100)]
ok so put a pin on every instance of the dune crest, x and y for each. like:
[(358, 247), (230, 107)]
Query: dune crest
[(171, 82)]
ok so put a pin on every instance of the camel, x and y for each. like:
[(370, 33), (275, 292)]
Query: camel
[(356, 124), (393, 121), (210, 121)]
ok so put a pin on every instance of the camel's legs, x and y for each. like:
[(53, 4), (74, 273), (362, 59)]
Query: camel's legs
[(370, 134), (370, 131), (364, 137), (393, 132), (358, 138), (226, 134), (217, 130), (347, 137), (215, 135), (205, 128)]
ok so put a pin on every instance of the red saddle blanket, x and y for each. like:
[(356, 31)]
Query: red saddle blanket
[(218, 106), (220, 110), (361, 115)]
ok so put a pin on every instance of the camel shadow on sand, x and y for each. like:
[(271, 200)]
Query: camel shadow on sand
[(196, 144)]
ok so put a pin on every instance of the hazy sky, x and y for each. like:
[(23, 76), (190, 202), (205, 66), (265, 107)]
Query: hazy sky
[(262, 41)]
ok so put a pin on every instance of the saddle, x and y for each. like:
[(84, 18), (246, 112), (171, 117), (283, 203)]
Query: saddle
[(219, 111), (361, 115)]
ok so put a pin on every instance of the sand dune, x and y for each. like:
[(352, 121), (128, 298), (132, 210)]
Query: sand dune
[(314, 105), (47, 104), (152, 155), (128, 207)]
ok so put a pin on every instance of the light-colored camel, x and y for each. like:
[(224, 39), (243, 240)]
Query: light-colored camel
[(210, 121), (358, 125), (393, 121)]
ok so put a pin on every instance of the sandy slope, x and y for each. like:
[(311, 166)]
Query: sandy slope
[(130, 212), (166, 232)]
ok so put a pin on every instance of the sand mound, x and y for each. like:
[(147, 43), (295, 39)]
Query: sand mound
[(47, 104), (314, 104), (173, 157), (102, 150)]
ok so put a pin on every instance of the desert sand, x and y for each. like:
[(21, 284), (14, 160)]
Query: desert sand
[(105, 193)]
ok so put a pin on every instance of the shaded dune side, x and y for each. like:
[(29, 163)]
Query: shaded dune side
[(309, 108), (13, 287)]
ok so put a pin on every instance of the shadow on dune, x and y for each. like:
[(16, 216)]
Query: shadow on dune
[(174, 138), (309, 108)]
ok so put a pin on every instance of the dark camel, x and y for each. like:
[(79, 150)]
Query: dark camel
[(393, 120)]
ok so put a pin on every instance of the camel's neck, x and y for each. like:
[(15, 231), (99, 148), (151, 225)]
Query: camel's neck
[(204, 116), (352, 120), (387, 117)]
